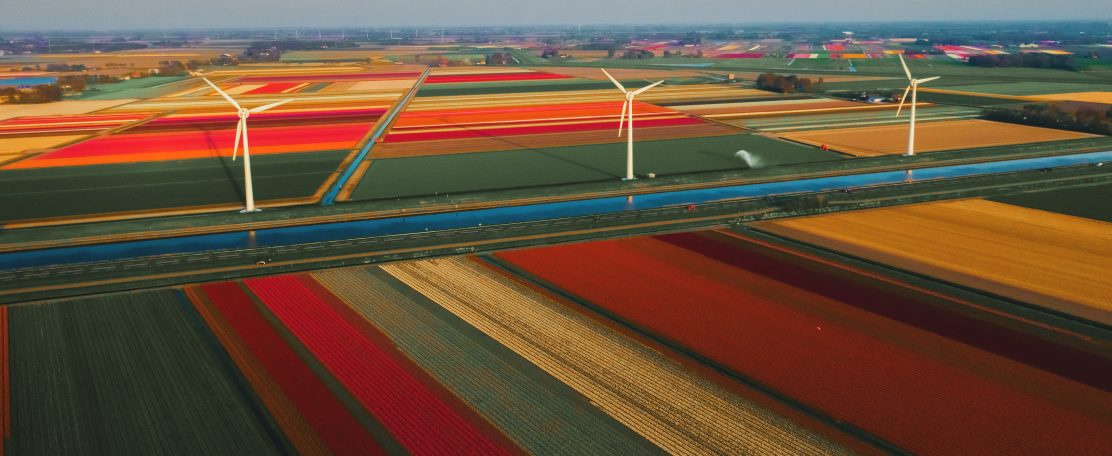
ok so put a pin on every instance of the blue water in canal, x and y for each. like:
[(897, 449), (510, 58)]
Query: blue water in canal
[(275, 237)]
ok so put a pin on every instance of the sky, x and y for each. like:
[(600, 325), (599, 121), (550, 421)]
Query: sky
[(173, 14)]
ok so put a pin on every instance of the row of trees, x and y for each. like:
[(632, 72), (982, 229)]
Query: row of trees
[(638, 54), (38, 94), (1031, 59), (787, 84), (1047, 115)]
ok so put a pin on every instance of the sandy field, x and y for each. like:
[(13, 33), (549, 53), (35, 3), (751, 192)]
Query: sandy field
[(1057, 261), (384, 84), (929, 137), (15, 146), (67, 107), (1090, 97)]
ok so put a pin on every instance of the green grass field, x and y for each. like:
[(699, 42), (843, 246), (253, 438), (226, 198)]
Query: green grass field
[(1088, 202), (129, 374), (523, 168), (84, 190), (150, 87), (1032, 88)]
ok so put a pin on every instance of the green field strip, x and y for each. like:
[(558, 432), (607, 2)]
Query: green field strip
[(314, 87), (102, 189), (523, 168), (536, 411), (149, 87), (1032, 88), (1089, 202), (126, 374)]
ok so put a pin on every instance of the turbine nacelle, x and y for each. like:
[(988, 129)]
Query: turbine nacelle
[(913, 87), (913, 84)]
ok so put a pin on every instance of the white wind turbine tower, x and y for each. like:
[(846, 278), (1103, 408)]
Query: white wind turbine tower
[(628, 105), (913, 87), (241, 131)]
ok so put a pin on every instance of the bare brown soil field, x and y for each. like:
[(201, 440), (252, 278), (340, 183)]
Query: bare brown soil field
[(929, 137), (1052, 260), (496, 143), (145, 58), (1091, 97), (586, 56), (67, 107)]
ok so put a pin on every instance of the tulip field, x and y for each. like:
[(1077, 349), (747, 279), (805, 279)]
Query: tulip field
[(138, 157), (934, 136), (1031, 261), (850, 350), (704, 342)]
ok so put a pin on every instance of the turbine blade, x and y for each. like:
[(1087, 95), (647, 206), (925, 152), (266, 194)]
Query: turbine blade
[(272, 105), (927, 80), (615, 81), (221, 92), (902, 99), (239, 132), (904, 64), (621, 120), (639, 91)]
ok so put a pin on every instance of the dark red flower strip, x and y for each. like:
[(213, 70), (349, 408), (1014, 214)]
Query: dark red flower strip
[(851, 364), (337, 428), (373, 334), (421, 422)]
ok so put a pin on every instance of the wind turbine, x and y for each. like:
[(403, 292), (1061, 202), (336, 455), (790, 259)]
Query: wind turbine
[(913, 87), (241, 130), (628, 105)]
